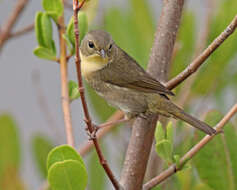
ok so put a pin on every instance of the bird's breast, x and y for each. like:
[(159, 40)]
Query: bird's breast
[(90, 64)]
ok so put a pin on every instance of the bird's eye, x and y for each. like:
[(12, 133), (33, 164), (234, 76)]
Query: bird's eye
[(91, 44), (110, 46)]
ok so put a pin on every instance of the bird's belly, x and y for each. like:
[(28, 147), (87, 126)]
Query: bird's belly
[(125, 99)]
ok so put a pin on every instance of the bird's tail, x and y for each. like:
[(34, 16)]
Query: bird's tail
[(194, 122)]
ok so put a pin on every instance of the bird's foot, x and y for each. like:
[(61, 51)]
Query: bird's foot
[(91, 133), (109, 123), (96, 128)]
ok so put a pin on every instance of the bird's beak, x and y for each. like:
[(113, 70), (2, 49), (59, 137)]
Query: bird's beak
[(102, 53)]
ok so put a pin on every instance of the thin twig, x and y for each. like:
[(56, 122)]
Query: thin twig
[(204, 55), (10, 22), (44, 106), (64, 83), (192, 152), (76, 8), (21, 31), (88, 145)]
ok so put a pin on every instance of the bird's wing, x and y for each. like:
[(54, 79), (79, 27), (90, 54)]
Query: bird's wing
[(125, 72)]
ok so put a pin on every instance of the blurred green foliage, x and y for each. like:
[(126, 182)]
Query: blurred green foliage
[(40, 148), (219, 171), (9, 154), (216, 67), (97, 177), (214, 167)]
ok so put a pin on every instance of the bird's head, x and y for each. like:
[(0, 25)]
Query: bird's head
[(97, 45)]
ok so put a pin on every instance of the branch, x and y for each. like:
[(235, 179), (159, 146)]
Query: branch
[(87, 146), (203, 56), (64, 83), (173, 169), (143, 129), (15, 15), (103, 162), (21, 31)]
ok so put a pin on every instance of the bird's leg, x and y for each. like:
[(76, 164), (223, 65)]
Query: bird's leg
[(109, 123), (91, 135)]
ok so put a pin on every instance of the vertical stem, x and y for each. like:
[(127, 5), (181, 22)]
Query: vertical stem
[(143, 130), (64, 83), (103, 162)]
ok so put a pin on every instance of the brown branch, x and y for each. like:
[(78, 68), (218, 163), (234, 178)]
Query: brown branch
[(64, 83), (21, 31), (103, 162), (143, 129), (68, 5), (204, 55), (88, 145), (43, 104), (10, 22), (192, 152)]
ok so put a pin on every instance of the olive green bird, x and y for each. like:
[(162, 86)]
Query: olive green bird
[(124, 84)]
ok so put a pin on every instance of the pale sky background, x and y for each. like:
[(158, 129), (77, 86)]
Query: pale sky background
[(18, 95)]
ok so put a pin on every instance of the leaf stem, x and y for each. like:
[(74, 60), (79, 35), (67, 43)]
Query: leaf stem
[(64, 83), (203, 56)]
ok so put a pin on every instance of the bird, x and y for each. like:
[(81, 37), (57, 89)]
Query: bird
[(124, 84)]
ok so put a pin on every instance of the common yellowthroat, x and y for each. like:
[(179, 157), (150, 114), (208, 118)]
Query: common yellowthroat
[(124, 84)]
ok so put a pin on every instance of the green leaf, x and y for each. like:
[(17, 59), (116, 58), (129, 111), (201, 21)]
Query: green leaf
[(54, 8), (62, 153), (70, 31), (47, 30), (9, 144), (177, 160), (41, 146), (231, 142), (170, 132), (164, 150), (82, 24), (159, 132), (71, 47), (38, 29), (44, 31), (73, 90), (82, 27), (68, 174), (202, 186), (185, 178), (219, 172), (45, 53)]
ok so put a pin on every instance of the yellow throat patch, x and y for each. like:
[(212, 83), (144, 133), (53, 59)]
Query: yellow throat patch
[(92, 63)]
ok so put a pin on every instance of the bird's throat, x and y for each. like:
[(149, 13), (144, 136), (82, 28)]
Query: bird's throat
[(90, 64)]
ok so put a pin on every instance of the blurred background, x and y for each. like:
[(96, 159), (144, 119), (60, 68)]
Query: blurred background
[(31, 119)]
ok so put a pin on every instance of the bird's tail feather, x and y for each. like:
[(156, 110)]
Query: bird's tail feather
[(195, 122)]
